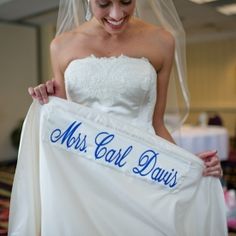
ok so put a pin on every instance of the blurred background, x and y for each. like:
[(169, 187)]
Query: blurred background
[(28, 26)]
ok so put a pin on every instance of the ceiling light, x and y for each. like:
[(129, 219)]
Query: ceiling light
[(4, 1), (202, 1), (228, 10)]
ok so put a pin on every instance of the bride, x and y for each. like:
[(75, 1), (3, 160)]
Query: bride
[(120, 66), (117, 63)]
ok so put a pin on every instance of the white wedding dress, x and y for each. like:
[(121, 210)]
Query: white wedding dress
[(122, 86), (94, 167)]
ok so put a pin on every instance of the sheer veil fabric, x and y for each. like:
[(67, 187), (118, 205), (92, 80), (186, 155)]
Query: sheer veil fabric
[(73, 13)]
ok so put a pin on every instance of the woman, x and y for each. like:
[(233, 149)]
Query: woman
[(122, 66), (114, 31)]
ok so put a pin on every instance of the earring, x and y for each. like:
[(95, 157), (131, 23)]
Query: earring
[(88, 15)]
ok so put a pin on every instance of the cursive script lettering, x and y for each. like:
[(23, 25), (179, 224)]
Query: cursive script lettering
[(105, 147), (70, 137), (147, 166), (117, 157)]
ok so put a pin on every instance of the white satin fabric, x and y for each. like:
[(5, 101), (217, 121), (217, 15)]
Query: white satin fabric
[(83, 172)]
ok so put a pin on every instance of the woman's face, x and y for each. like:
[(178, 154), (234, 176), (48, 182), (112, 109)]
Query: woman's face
[(113, 15)]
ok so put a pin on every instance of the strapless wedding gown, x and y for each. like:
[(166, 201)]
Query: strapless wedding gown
[(122, 86), (90, 172)]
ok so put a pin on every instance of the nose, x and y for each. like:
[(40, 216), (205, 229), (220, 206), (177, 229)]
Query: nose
[(116, 12)]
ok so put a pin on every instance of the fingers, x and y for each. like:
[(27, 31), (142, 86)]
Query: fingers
[(213, 171), (213, 161), (205, 156), (210, 158), (41, 93), (31, 92), (50, 87), (213, 168), (212, 164)]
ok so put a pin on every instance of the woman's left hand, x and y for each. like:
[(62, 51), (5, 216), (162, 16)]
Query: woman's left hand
[(212, 164)]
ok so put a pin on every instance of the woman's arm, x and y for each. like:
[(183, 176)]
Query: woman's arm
[(210, 158), (166, 49), (54, 87)]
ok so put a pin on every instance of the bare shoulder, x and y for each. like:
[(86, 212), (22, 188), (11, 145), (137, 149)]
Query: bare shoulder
[(165, 38), (66, 40), (166, 46), (155, 32), (158, 42), (67, 46), (159, 37)]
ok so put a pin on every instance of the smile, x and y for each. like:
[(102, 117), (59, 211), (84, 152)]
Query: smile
[(115, 23)]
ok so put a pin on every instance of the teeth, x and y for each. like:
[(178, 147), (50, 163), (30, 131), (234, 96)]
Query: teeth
[(115, 22)]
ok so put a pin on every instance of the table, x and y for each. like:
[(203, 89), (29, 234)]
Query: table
[(198, 139)]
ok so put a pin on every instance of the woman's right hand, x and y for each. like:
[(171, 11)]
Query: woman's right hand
[(43, 91)]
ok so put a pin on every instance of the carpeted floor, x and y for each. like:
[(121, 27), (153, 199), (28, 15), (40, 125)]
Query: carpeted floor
[(6, 179)]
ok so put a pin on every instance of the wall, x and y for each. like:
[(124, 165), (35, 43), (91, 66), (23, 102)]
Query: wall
[(18, 70), (47, 33), (212, 79)]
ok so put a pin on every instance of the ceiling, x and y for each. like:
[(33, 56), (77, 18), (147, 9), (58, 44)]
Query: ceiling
[(203, 19), (198, 19)]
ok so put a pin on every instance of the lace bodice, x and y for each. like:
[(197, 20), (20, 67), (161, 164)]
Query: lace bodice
[(122, 86)]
